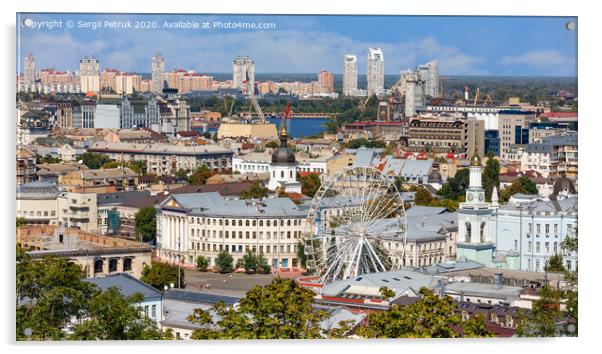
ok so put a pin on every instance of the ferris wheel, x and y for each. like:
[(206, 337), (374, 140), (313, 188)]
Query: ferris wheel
[(357, 225)]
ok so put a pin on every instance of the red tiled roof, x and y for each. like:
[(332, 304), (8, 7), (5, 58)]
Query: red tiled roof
[(560, 114)]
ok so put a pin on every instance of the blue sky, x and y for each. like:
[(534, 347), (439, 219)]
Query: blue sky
[(522, 46)]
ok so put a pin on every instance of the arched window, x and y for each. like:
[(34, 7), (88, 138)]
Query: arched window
[(112, 265), (98, 265), (482, 232), (127, 264), (281, 174), (468, 232)]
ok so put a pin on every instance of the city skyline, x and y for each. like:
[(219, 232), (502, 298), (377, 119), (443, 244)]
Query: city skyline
[(305, 44)]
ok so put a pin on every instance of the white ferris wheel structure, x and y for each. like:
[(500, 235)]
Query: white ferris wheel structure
[(353, 217)]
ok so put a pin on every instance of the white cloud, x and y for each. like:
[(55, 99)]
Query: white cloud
[(273, 51), (546, 61)]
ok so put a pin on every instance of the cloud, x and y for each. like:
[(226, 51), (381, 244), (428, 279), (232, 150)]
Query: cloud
[(545, 61), (293, 50)]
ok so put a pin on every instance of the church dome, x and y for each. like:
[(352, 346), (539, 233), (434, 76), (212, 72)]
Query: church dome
[(283, 154), (563, 187)]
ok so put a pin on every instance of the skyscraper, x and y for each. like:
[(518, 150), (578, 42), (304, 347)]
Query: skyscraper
[(89, 74), (29, 69), (242, 66), (376, 71), (157, 69), (326, 81), (349, 74), (429, 72)]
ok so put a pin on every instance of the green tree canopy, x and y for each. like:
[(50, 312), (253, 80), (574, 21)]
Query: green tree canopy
[(201, 263), (138, 166), (21, 221), (357, 143), (54, 303), (455, 186), (279, 310), (159, 274), (200, 175), (112, 316), (430, 317), (423, 196), (224, 262), (257, 191), (310, 183), (93, 160), (491, 175), (146, 224)]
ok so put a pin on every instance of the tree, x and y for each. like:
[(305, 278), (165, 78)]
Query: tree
[(202, 263), (386, 292), (111, 316), (249, 261), (475, 327), (279, 310), (455, 186), (257, 191), (93, 160), (146, 224), (46, 159), (224, 262), (310, 184), (399, 181), (263, 265), (159, 274), (423, 197), (54, 303), (272, 145), (21, 221), (521, 185), (429, 317), (200, 175), (491, 175), (138, 166), (357, 143), (301, 254), (49, 294)]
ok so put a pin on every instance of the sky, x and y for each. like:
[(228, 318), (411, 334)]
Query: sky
[(509, 46)]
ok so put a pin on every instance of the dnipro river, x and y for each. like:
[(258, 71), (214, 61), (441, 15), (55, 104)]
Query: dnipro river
[(299, 127)]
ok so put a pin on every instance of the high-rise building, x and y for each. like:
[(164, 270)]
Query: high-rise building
[(29, 69), (157, 69), (429, 73), (349, 74), (414, 94), (513, 124), (89, 74), (326, 82), (242, 66), (376, 71)]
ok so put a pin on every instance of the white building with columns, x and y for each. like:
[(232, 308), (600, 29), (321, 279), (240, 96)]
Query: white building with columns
[(203, 224)]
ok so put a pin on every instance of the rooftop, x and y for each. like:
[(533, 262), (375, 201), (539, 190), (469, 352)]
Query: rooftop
[(127, 285)]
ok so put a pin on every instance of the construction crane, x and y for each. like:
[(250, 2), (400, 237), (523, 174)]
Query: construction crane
[(250, 90), (365, 102), (476, 96)]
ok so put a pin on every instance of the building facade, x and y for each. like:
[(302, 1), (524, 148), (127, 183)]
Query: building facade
[(241, 67), (157, 70), (203, 224), (349, 75), (89, 74), (376, 71)]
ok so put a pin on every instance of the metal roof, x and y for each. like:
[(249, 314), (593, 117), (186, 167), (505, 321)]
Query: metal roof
[(200, 298)]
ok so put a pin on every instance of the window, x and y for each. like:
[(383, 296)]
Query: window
[(537, 249), (555, 230), (547, 230), (547, 247), (127, 264), (154, 311), (146, 310), (529, 246), (538, 229), (568, 265), (555, 247)]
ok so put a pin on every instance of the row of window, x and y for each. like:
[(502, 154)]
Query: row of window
[(214, 247), (547, 229), (247, 234), (247, 222), (37, 213)]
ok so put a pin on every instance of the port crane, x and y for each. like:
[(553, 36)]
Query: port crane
[(251, 94)]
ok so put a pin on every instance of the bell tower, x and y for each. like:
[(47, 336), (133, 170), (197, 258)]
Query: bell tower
[(474, 217)]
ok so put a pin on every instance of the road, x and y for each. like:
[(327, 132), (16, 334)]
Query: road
[(234, 284)]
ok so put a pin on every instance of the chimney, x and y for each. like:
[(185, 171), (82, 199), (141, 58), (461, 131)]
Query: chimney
[(498, 280)]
